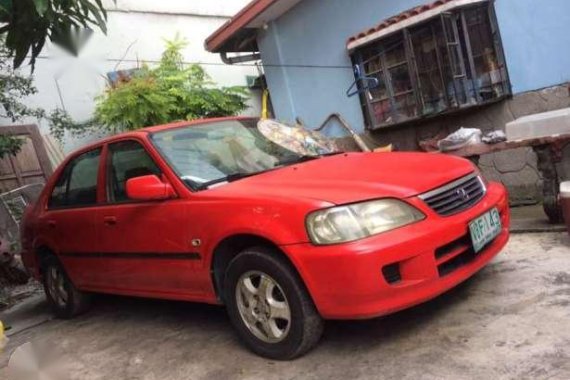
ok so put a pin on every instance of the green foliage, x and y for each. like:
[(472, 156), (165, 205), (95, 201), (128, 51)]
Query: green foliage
[(170, 92), (60, 122), (27, 24), (14, 90), (10, 145)]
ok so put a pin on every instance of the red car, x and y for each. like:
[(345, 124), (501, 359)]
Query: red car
[(213, 211)]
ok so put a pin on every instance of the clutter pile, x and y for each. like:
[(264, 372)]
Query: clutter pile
[(469, 136)]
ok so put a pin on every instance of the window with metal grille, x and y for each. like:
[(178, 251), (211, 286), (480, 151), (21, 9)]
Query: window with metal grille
[(447, 63)]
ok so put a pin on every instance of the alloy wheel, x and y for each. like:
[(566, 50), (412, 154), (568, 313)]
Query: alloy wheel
[(263, 307), (56, 286)]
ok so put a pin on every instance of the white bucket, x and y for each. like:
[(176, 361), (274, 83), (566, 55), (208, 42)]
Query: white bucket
[(565, 202), (565, 190)]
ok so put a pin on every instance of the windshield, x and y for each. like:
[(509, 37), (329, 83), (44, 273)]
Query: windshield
[(203, 155)]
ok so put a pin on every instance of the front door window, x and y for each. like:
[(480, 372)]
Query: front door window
[(128, 159)]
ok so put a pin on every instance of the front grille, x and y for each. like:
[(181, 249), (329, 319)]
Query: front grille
[(456, 196), (457, 262), (460, 245), (455, 254)]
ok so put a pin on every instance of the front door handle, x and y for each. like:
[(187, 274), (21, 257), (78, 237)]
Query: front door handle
[(110, 220), (51, 223)]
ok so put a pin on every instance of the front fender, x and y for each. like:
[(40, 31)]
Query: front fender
[(281, 223)]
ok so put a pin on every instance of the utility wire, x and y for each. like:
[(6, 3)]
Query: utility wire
[(376, 53), (123, 60)]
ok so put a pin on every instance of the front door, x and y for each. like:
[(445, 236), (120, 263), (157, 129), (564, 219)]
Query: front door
[(146, 245)]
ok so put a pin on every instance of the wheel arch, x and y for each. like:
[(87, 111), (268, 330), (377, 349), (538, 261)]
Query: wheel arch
[(42, 252), (231, 246)]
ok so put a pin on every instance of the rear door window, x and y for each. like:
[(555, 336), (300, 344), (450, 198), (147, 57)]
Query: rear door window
[(77, 185)]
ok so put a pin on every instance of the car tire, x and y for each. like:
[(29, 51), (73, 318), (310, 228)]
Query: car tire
[(264, 324), (65, 300)]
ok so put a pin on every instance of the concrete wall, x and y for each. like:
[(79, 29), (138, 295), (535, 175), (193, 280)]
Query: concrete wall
[(314, 33), (137, 29)]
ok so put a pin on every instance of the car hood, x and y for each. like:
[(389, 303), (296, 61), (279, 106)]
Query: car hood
[(352, 177)]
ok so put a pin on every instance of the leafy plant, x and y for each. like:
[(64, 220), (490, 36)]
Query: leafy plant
[(15, 88), (170, 92), (27, 24)]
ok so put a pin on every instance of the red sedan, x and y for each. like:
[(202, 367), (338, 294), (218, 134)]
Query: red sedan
[(214, 211)]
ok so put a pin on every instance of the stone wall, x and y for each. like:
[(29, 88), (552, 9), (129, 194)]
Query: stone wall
[(517, 169)]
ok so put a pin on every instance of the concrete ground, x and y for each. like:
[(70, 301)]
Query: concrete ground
[(510, 321), (532, 219)]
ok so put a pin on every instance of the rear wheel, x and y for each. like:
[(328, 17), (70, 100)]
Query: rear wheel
[(63, 297), (269, 306)]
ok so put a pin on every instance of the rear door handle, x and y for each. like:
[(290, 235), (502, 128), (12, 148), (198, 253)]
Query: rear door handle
[(51, 223), (110, 220)]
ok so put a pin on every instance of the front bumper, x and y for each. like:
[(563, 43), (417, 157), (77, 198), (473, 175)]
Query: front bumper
[(346, 281)]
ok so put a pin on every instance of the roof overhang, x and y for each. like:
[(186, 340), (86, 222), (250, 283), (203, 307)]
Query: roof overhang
[(407, 19), (238, 35)]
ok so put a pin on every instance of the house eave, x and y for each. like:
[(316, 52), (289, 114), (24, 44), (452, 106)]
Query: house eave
[(238, 35)]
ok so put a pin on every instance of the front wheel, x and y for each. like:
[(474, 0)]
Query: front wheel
[(65, 299), (269, 306)]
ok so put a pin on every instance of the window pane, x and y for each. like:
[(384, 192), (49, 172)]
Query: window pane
[(129, 160), (429, 72), (82, 187), (451, 65), (373, 65), (380, 91), (490, 76), (394, 51), (382, 112), (405, 107), (58, 195), (400, 77), (449, 25)]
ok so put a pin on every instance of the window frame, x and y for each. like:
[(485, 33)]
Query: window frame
[(67, 171), (107, 173), (454, 102)]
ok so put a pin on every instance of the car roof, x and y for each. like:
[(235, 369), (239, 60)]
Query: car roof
[(143, 132)]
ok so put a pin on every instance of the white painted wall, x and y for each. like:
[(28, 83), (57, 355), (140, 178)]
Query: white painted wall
[(136, 29)]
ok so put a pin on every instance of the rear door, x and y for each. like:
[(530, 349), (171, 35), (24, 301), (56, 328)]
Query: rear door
[(146, 245), (70, 216)]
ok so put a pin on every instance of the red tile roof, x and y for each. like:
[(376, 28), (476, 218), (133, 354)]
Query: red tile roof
[(398, 18)]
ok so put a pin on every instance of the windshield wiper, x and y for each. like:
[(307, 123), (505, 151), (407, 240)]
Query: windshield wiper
[(229, 178), (305, 158), (296, 160)]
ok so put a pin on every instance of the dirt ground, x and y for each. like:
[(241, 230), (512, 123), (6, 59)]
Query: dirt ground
[(510, 321)]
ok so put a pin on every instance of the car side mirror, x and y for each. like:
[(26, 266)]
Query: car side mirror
[(149, 188)]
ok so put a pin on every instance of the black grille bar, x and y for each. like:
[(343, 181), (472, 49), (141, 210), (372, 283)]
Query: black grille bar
[(456, 196)]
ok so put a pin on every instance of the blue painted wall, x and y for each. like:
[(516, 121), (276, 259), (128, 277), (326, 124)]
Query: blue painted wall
[(536, 39)]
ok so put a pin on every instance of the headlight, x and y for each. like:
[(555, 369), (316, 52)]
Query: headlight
[(352, 222)]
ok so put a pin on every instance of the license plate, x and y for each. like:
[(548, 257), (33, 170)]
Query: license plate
[(485, 229)]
